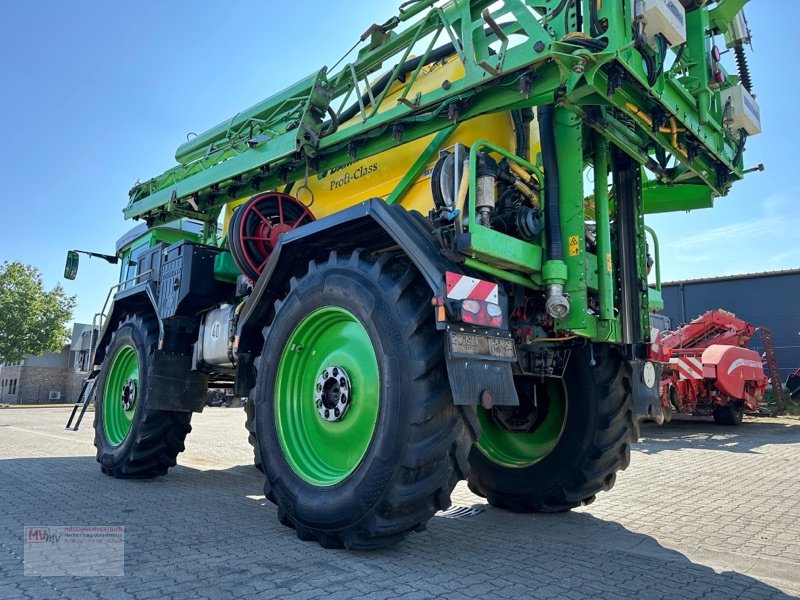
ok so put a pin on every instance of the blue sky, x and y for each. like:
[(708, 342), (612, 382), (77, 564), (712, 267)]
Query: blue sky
[(96, 95)]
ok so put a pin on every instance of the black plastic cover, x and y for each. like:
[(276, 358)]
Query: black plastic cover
[(187, 280)]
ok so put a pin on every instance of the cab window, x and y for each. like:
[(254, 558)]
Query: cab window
[(130, 264)]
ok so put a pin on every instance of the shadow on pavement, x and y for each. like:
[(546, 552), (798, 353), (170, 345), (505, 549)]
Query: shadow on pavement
[(602, 558), (706, 435), (212, 533)]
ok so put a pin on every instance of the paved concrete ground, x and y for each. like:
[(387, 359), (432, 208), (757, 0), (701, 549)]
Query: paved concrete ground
[(702, 512)]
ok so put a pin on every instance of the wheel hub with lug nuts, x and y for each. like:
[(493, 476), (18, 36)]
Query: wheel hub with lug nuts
[(332, 393), (128, 396)]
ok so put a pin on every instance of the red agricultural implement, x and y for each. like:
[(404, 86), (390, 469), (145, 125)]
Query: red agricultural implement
[(709, 370)]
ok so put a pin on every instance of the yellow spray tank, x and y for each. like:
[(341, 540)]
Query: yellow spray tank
[(378, 175)]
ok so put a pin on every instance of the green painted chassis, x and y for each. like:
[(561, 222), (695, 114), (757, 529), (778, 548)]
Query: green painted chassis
[(283, 138)]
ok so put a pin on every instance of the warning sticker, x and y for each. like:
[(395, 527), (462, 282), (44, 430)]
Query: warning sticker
[(574, 246), (608, 262)]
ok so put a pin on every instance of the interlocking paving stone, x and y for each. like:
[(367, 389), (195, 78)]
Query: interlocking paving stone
[(702, 512)]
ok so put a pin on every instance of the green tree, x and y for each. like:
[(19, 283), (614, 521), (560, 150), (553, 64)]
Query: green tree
[(32, 320)]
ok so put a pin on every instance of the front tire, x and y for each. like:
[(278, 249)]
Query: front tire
[(132, 440), (358, 435), (573, 446)]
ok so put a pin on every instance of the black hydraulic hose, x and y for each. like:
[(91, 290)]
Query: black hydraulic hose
[(594, 22), (661, 46), (522, 121), (740, 147), (570, 4), (552, 216), (555, 12), (516, 119), (590, 43), (649, 63)]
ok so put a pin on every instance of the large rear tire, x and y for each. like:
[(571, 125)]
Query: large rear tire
[(578, 436), (132, 440), (358, 435)]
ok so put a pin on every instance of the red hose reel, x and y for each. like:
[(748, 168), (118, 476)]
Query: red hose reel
[(255, 226)]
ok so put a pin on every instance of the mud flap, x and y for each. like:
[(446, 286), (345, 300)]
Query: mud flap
[(470, 378), (645, 378), (172, 385)]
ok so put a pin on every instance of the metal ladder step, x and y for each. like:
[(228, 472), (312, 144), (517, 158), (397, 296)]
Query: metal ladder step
[(83, 402)]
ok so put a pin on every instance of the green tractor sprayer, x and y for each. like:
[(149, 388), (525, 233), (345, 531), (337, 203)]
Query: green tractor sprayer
[(429, 263)]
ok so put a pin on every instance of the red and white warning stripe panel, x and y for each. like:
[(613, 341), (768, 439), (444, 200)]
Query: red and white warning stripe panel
[(461, 287), (689, 367)]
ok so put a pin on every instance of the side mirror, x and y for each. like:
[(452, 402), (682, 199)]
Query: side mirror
[(71, 268)]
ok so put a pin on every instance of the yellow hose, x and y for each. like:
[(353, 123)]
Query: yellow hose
[(673, 129)]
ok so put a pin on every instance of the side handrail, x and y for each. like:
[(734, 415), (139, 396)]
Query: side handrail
[(98, 320)]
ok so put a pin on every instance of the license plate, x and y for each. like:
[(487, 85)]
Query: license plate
[(482, 345)]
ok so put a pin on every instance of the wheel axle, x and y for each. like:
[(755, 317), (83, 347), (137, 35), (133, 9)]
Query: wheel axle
[(128, 395), (332, 393)]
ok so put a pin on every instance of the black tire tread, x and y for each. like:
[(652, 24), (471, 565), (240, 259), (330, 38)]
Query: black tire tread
[(435, 458), (609, 451), (161, 434)]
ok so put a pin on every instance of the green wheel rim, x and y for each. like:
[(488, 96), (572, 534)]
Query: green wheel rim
[(515, 449), (325, 452), (122, 378)]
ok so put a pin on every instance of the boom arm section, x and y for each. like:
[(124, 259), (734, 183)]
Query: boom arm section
[(588, 58)]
